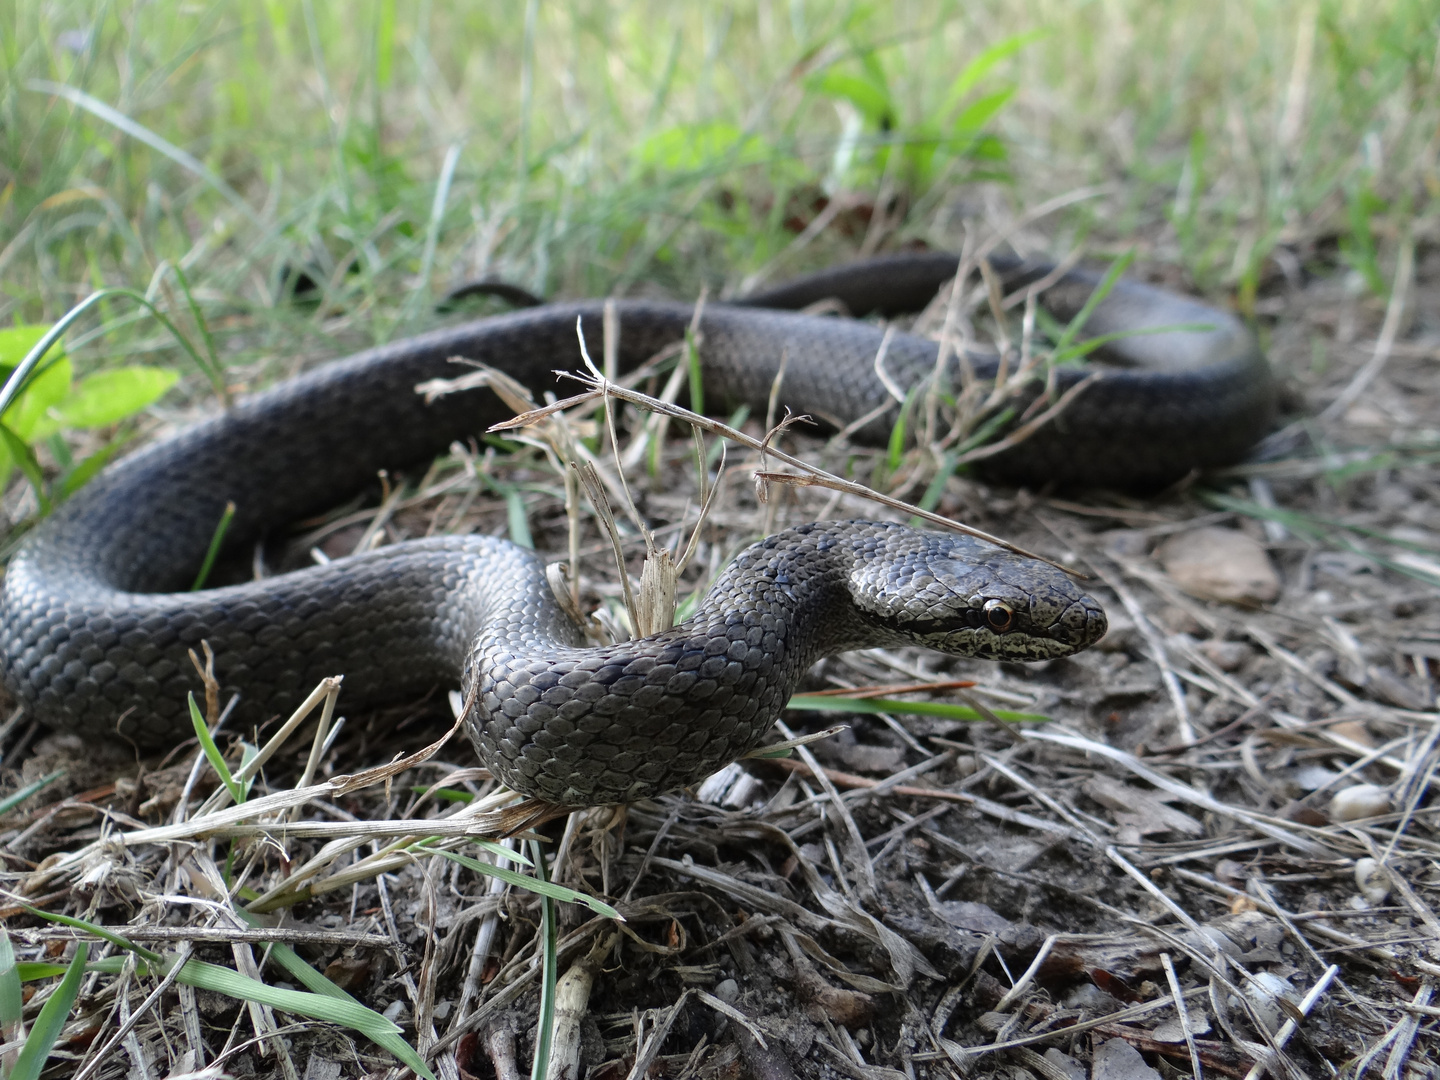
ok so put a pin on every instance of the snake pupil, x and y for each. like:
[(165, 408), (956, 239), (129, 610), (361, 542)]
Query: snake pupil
[(998, 616)]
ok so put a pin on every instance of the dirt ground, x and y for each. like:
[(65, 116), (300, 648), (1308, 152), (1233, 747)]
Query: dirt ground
[(1218, 855)]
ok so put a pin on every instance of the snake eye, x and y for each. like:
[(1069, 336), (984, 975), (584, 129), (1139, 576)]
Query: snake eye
[(997, 616)]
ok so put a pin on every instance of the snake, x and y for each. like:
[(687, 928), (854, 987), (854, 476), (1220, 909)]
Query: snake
[(96, 625)]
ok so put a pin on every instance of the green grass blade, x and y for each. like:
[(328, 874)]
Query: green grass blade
[(896, 448), (318, 984), (437, 216), (549, 972), (212, 753), (118, 119), (517, 520), (29, 971), (99, 931), (51, 1020), (88, 468), (816, 703), (318, 1006), (200, 323), (1329, 531), (695, 377), (27, 368), (1089, 345), (12, 997), (217, 541), (524, 881), (978, 68), (936, 487), (11, 801), (328, 1003), (20, 376), (443, 794), (1077, 324)]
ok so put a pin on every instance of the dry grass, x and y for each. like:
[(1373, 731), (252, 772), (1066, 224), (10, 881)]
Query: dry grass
[(920, 894), (1157, 867)]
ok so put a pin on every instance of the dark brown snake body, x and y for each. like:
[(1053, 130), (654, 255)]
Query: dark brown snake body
[(94, 634)]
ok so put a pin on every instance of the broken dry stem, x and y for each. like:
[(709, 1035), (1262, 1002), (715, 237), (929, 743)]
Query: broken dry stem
[(811, 476)]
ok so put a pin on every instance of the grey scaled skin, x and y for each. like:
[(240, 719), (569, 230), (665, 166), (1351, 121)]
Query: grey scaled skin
[(581, 726), (96, 624)]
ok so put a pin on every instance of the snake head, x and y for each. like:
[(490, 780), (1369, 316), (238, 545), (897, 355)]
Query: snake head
[(968, 598)]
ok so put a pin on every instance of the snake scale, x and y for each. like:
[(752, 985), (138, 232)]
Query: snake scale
[(95, 634)]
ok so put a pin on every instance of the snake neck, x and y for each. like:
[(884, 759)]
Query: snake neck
[(579, 726)]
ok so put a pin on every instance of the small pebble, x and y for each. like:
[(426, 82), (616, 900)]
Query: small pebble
[(1265, 990), (1214, 563), (1359, 801), (1373, 881), (1116, 1059), (1226, 655), (1355, 731), (728, 991), (1063, 1065)]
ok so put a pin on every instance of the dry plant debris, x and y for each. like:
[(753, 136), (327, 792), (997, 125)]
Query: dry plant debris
[(1216, 857)]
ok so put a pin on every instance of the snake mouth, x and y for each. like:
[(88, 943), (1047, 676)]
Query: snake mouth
[(1083, 624)]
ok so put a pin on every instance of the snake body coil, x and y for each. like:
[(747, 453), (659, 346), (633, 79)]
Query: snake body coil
[(93, 632)]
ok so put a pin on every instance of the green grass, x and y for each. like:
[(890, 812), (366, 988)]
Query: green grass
[(625, 143)]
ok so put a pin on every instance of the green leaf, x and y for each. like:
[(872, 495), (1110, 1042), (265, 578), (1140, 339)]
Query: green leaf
[(110, 396), (977, 114), (696, 147), (51, 1020), (17, 341), (29, 417), (18, 452), (981, 66), (870, 96)]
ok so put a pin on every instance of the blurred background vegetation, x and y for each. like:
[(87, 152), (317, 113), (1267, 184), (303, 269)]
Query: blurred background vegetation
[(322, 172)]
